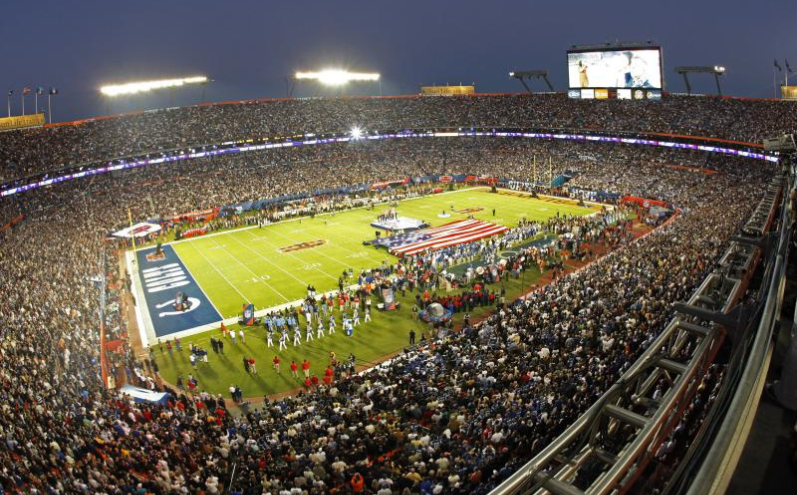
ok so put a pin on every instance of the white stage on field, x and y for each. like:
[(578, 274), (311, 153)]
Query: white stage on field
[(398, 223)]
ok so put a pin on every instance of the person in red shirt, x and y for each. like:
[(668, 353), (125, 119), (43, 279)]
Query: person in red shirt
[(277, 364), (314, 379), (306, 368), (357, 483), (294, 367), (327, 380), (307, 383)]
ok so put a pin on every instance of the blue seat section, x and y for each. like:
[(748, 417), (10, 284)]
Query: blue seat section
[(162, 278)]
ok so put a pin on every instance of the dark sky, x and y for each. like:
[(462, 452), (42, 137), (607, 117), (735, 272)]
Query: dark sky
[(248, 46)]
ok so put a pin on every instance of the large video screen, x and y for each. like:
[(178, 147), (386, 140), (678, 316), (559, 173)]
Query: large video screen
[(632, 68)]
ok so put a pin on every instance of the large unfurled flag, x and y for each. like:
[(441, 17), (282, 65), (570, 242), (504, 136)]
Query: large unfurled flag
[(25, 91), (450, 234), (788, 69), (777, 66)]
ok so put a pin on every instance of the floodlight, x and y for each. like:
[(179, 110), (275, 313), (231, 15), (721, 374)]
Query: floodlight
[(142, 86), (337, 77), (356, 132)]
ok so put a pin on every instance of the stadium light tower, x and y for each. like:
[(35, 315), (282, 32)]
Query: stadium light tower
[(132, 88), (531, 74), (717, 70), (137, 87), (338, 78)]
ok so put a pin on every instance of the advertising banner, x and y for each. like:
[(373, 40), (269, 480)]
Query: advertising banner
[(21, 122), (788, 92), (142, 229), (647, 203), (448, 90)]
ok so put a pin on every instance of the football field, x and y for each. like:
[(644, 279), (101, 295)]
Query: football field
[(271, 266)]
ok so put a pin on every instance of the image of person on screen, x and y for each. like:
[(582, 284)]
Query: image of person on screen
[(583, 77), (637, 72)]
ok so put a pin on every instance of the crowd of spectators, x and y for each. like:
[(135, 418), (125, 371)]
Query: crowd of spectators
[(27, 152), (456, 417)]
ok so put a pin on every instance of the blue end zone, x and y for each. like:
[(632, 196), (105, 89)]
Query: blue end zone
[(162, 279)]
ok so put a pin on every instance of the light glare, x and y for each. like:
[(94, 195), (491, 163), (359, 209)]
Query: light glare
[(337, 77), (356, 132), (142, 86)]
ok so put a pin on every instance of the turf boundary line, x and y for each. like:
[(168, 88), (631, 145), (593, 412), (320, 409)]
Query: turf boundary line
[(196, 281), (137, 292)]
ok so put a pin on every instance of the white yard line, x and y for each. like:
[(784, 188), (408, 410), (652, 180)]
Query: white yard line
[(212, 265), (263, 257), (320, 252), (265, 239), (197, 282)]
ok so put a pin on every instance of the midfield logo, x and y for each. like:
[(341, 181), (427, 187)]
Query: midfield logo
[(302, 245)]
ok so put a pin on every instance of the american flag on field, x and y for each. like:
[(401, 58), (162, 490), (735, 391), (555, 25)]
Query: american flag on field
[(450, 234)]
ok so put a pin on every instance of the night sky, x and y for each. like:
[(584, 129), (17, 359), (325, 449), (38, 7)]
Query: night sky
[(247, 47)]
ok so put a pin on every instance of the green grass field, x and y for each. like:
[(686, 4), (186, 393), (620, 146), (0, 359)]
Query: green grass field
[(247, 265)]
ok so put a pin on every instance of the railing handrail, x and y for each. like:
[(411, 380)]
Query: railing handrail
[(713, 475)]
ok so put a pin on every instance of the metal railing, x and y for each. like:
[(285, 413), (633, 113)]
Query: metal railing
[(721, 458), (622, 431)]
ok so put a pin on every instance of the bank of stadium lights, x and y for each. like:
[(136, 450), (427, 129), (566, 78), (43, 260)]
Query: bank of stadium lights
[(132, 88), (523, 75), (716, 70), (337, 77)]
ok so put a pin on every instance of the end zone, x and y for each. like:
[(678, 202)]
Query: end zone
[(157, 281)]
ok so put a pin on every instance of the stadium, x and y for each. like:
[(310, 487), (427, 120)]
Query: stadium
[(443, 292)]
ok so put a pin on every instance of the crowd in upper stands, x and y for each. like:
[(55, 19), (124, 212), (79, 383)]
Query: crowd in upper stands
[(457, 417), (27, 152)]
